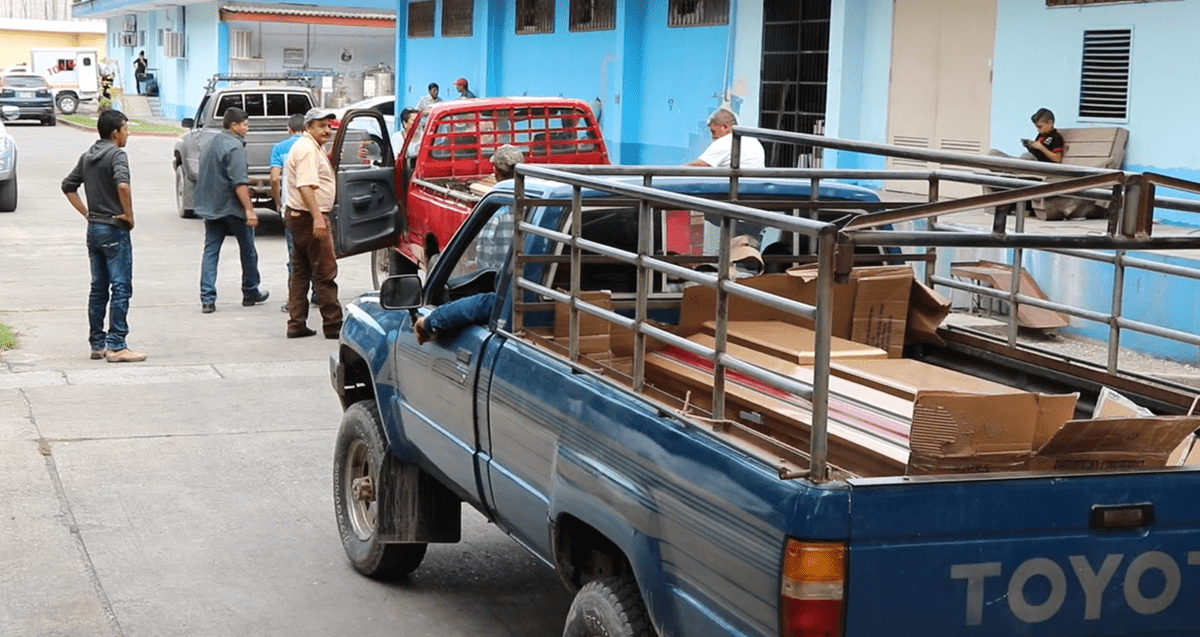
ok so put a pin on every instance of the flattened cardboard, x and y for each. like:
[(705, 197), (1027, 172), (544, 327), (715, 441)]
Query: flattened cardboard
[(1112, 404), (926, 311), (1114, 443), (904, 377), (588, 325), (953, 424), (881, 312), (799, 284), (792, 343)]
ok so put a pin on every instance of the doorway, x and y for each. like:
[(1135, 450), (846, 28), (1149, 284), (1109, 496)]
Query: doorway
[(941, 88)]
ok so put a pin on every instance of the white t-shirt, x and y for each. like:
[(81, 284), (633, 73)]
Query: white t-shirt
[(717, 153)]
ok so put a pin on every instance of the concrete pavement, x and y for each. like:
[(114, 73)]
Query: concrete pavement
[(190, 494)]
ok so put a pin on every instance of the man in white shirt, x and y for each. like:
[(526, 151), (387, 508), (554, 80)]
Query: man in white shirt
[(721, 124)]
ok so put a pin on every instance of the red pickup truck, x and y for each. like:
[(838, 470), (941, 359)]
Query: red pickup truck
[(442, 167)]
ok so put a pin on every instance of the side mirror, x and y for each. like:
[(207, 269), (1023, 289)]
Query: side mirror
[(187, 122), (401, 292), (9, 112)]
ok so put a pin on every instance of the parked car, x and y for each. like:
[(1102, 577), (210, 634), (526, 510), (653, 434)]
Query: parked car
[(384, 105), (269, 107), (31, 94), (8, 162)]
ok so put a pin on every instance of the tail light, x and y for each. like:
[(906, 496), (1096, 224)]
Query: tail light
[(814, 577)]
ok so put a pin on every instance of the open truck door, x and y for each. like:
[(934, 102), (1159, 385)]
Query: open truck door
[(366, 214)]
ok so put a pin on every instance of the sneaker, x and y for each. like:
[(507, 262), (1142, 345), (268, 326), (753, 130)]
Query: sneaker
[(255, 300), (208, 308), (283, 308), (125, 356), (97, 354)]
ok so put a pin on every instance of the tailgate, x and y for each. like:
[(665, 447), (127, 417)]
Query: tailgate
[(1026, 556)]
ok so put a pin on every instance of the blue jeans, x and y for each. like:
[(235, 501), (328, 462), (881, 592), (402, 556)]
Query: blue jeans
[(111, 255), (214, 235)]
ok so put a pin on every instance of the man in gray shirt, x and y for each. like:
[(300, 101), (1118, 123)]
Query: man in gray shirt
[(103, 171), (223, 201)]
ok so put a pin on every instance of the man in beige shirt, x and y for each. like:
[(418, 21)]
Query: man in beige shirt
[(310, 192)]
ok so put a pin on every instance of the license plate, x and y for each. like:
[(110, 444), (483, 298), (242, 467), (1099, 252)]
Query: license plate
[(26, 93)]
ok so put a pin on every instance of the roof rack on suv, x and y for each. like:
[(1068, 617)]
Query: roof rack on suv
[(306, 80)]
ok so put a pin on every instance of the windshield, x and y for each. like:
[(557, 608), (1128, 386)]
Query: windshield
[(24, 81)]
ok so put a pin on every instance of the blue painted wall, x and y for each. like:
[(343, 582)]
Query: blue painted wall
[(860, 54), (1164, 86), (657, 84)]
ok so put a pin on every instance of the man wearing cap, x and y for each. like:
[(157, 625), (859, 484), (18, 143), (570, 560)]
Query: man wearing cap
[(223, 202), (310, 191), (497, 234), (463, 91)]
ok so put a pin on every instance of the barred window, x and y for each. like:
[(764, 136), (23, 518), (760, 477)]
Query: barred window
[(697, 13), (1104, 79), (420, 19), (535, 16), (458, 17), (593, 15)]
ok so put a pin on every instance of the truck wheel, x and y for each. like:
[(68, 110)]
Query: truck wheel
[(67, 103), (358, 456), (380, 268), (8, 194), (181, 188), (609, 607)]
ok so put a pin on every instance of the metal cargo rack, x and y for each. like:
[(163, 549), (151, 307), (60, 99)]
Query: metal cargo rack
[(1130, 199)]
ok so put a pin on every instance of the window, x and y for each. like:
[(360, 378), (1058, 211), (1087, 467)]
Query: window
[(458, 17), (228, 101), (298, 103), (593, 15), (255, 105), (1104, 78), (535, 16), (697, 13), (420, 19)]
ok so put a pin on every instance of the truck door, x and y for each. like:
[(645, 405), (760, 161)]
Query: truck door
[(442, 416), (85, 70), (365, 215)]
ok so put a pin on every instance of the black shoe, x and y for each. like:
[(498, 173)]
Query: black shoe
[(301, 333), (255, 300), (208, 308)]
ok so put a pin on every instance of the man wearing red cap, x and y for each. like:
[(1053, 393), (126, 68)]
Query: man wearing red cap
[(463, 91)]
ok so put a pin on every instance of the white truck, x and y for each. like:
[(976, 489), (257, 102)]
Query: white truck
[(72, 72)]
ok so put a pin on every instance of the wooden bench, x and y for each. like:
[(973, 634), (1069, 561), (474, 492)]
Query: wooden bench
[(1094, 147)]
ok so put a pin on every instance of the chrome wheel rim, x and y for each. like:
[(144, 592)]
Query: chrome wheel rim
[(358, 492)]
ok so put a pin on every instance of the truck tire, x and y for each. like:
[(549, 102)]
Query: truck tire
[(67, 103), (181, 191), (609, 607), (8, 194), (358, 457), (380, 266)]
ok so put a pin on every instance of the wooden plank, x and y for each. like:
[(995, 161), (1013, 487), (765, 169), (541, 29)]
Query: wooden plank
[(792, 343), (862, 441), (904, 377)]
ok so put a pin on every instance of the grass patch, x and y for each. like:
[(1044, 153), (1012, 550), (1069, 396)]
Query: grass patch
[(8, 338), (135, 126)]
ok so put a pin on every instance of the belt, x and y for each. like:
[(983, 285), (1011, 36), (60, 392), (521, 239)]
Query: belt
[(295, 212)]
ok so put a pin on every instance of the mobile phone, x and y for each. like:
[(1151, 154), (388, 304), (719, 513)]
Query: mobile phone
[(1026, 141)]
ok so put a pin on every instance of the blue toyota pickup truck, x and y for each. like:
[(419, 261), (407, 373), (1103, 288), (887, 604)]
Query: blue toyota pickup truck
[(670, 515)]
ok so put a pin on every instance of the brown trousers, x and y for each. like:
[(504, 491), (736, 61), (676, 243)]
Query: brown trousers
[(312, 260)]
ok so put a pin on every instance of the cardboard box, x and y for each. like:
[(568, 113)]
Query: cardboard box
[(1109, 444), (953, 432), (792, 343), (593, 330), (873, 308)]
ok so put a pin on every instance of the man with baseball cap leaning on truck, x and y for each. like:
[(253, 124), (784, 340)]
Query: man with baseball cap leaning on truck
[(311, 188)]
